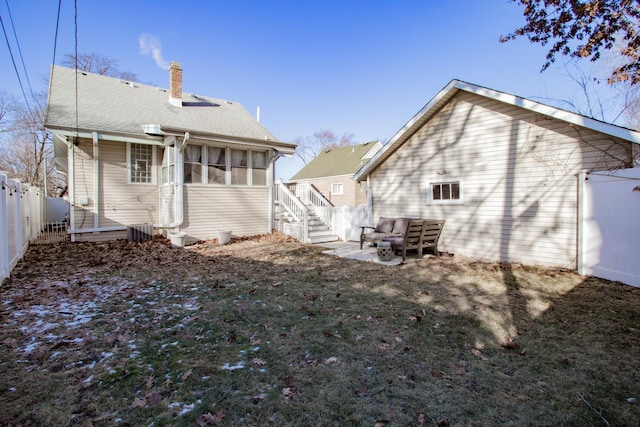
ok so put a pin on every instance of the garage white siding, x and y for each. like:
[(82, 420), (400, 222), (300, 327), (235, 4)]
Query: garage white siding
[(519, 174)]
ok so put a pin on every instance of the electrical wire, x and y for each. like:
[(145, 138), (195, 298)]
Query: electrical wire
[(55, 38), (15, 67), (15, 35)]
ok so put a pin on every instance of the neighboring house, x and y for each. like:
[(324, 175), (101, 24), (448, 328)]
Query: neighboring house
[(136, 154), (504, 172), (332, 172)]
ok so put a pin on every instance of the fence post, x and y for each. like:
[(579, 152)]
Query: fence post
[(4, 227), (19, 218)]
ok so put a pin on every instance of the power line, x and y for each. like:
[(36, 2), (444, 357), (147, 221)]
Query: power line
[(55, 39), (15, 67), (15, 35)]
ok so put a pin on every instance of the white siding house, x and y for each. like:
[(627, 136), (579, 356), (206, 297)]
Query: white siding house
[(500, 169), (137, 155)]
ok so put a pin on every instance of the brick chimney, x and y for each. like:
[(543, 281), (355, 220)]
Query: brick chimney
[(175, 84)]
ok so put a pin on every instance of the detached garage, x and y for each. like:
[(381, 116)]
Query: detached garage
[(504, 172)]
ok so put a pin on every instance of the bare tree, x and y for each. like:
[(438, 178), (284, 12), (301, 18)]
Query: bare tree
[(7, 105), (25, 149), (98, 64), (310, 146), (585, 29), (593, 97)]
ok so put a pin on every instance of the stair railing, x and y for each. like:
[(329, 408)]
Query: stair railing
[(320, 205), (294, 207)]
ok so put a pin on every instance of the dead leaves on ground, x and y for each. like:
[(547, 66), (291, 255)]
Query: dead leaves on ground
[(209, 419)]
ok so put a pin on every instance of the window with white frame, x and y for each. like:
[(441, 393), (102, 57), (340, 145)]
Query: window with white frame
[(258, 168), (219, 165), (216, 165), (140, 161), (168, 165), (445, 192), (337, 188), (193, 164), (239, 167)]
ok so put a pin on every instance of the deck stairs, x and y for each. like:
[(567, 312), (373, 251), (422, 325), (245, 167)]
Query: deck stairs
[(301, 211)]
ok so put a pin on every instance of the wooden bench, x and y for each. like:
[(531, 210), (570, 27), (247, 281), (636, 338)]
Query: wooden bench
[(421, 234)]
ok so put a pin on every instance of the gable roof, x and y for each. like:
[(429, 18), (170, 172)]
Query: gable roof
[(113, 106), (338, 161), (438, 101)]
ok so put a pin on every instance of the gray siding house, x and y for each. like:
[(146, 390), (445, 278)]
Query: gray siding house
[(138, 155), (502, 170)]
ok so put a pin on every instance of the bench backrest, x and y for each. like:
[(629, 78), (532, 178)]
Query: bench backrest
[(431, 231)]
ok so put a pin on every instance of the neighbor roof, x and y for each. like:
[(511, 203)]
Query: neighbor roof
[(438, 101), (338, 161), (111, 105)]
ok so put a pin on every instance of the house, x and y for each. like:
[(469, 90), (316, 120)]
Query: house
[(138, 157), (332, 172), (504, 171)]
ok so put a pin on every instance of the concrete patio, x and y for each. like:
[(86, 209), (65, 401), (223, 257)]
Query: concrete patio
[(368, 254)]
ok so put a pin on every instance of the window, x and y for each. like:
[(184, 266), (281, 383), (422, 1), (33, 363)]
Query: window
[(239, 167), (205, 164), (216, 165), (258, 168), (449, 192), (193, 164), (168, 165), (337, 188), (140, 163)]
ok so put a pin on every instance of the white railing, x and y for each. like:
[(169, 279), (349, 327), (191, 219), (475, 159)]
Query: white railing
[(294, 207), (322, 207)]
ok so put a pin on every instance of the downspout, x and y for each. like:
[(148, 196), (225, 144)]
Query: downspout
[(272, 189), (96, 183), (71, 185), (179, 187), (369, 201)]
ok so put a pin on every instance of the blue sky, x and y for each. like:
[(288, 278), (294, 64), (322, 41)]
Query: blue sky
[(356, 67)]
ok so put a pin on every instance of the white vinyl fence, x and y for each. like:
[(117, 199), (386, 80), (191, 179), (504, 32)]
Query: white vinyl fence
[(22, 219), (347, 221), (609, 231)]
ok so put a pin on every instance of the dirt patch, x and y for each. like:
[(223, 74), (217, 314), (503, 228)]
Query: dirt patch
[(267, 331)]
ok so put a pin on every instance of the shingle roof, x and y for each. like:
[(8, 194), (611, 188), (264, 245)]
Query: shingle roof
[(338, 161), (107, 104)]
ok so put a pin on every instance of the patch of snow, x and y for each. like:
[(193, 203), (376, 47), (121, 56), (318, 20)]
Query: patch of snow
[(227, 367), (29, 348)]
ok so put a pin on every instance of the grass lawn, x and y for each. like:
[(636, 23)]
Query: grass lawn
[(267, 331)]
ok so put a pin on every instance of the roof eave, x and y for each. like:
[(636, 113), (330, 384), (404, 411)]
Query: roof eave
[(282, 147), (454, 86)]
